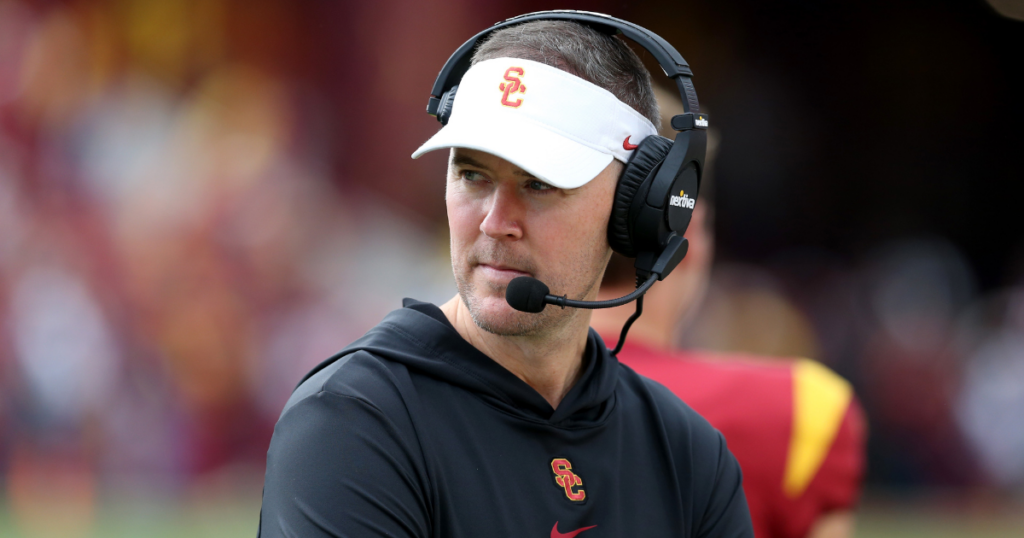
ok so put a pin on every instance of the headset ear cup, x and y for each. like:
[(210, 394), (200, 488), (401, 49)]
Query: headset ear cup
[(444, 109), (646, 159)]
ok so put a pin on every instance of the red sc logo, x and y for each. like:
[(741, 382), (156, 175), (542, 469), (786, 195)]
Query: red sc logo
[(513, 86), (567, 479)]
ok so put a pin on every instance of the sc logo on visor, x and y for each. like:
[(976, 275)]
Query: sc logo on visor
[(513, 86)]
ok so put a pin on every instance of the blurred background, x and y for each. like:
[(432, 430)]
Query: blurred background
[(202, 199)]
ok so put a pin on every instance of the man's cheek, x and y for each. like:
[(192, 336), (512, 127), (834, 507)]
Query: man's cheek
[(457, 235), (462, 221)]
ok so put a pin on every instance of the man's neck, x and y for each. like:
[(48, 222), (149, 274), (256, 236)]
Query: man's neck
[(551, 363)]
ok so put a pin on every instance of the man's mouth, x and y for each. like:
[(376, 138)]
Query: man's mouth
[(500, 272)]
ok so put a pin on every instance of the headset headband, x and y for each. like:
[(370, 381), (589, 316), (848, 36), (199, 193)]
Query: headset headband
[(672, 63)]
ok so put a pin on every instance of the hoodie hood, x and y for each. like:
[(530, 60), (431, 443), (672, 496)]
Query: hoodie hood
[(421, 338)]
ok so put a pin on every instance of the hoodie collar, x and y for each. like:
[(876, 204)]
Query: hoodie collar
[(421, 337)]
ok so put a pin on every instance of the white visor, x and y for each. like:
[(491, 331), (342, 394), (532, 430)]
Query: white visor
[(556, 126)]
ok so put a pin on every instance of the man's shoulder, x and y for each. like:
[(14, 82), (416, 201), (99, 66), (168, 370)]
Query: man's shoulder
[(375, 367), (677, 417), (344, 438), (707, 469), (794, 424), (746, 393), (359, 375)]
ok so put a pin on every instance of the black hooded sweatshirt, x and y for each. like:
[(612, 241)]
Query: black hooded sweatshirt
[(413, 432)]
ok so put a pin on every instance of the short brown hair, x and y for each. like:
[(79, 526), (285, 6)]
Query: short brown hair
[(601, 59)]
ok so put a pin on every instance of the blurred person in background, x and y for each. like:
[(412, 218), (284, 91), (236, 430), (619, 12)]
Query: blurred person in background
[(475, 419), (795, 426), (914, 359), (991, 396)]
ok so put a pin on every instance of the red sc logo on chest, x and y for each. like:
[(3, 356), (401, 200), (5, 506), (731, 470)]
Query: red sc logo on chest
[(568, 480)]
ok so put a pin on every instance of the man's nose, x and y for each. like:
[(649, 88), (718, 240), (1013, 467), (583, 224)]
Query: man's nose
[(505, 215)]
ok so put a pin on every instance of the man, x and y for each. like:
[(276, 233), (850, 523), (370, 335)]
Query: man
[(473, 419), (794, 426)]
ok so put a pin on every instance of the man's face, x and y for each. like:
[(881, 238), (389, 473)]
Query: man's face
[(506, 223)]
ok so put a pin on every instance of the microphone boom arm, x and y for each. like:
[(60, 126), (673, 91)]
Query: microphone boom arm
[(560, 300), (673, 253)]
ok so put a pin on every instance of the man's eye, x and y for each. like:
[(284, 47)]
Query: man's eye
[(471, 175), (538, 185)]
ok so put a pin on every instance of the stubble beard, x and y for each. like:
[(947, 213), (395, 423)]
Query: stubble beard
[(513, 322)]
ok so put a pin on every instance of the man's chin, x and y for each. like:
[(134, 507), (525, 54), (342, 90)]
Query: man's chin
[(494, 315)]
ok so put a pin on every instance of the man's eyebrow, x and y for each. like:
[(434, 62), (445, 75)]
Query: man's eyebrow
[(465, 160)]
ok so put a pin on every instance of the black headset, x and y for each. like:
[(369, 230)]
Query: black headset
[(659, 185)]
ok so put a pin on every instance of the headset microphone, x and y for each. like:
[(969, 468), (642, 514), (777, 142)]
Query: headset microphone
[(528, 294)]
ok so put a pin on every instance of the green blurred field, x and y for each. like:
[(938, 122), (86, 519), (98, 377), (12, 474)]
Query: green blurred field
[(236, 516), (894, 521)]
